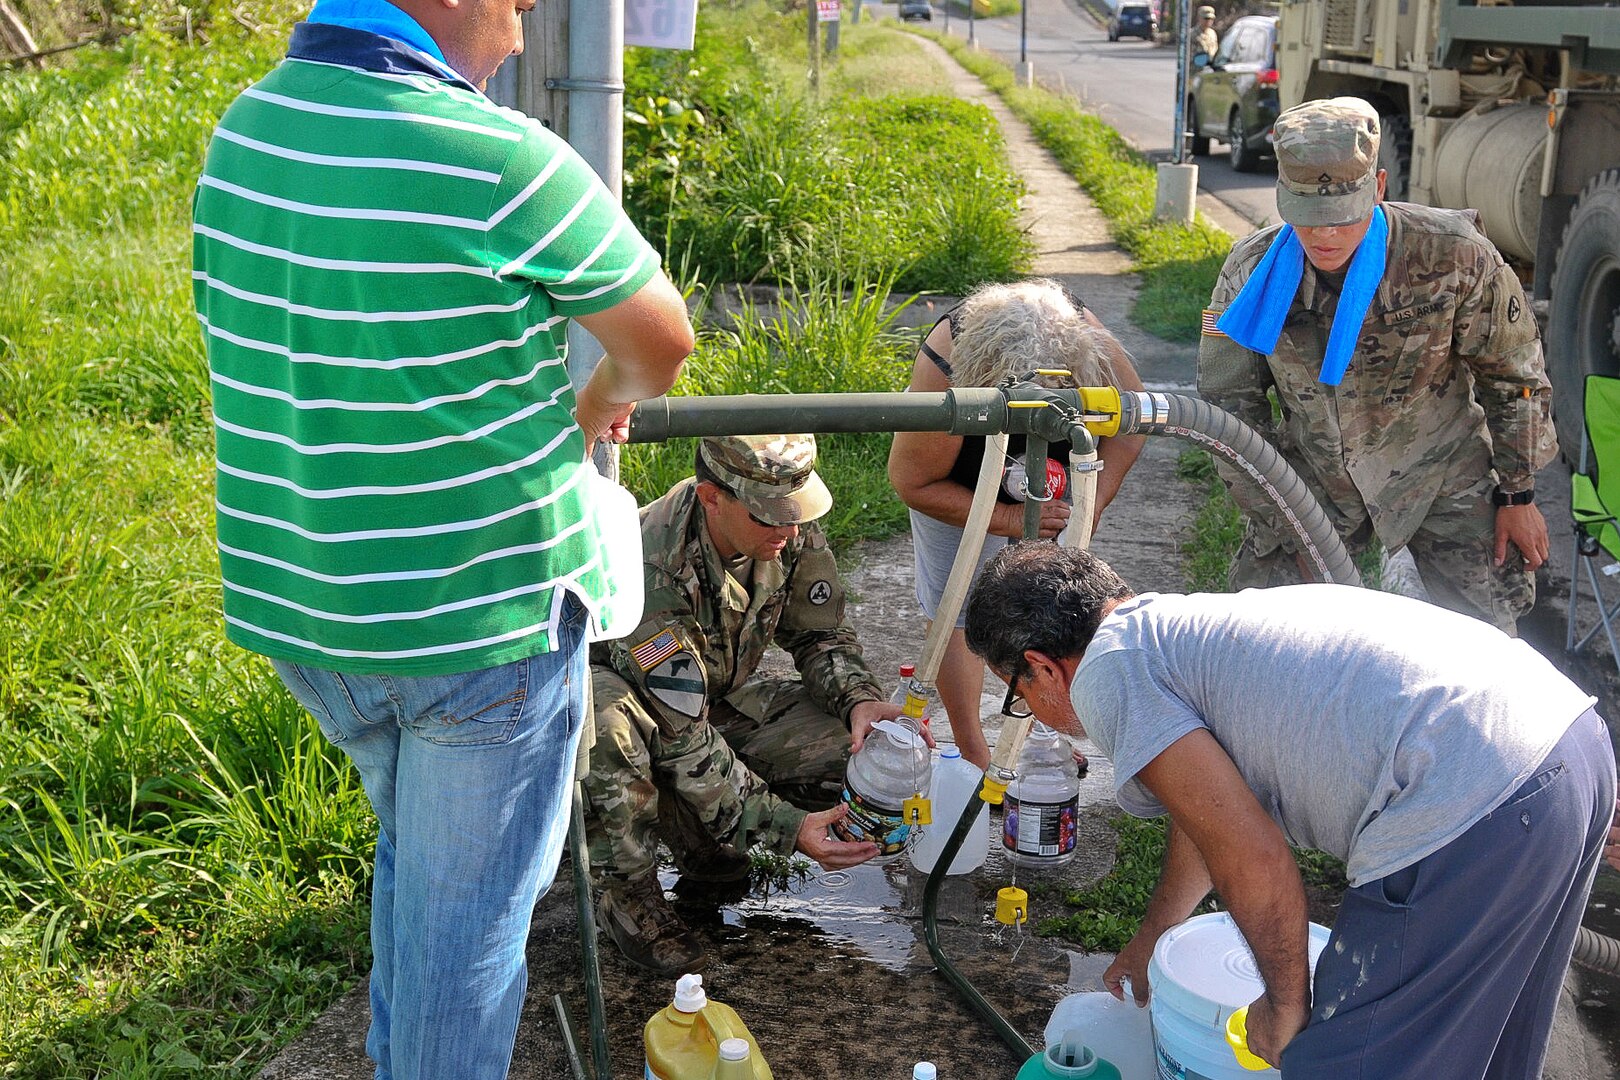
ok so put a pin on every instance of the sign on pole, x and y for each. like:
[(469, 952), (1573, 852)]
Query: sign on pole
[(828, 10), (661, 24)]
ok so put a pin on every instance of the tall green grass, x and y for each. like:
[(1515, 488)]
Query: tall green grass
[(746, 175)]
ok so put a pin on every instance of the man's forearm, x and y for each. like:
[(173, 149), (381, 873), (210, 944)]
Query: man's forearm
[(1266, 898), (1183, 884)]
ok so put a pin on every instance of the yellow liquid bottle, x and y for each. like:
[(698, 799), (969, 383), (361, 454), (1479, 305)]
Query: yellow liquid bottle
[(684, 1038)]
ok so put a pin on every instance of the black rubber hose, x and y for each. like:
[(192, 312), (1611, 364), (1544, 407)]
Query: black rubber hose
[(1227, 437), (1019, 1045)]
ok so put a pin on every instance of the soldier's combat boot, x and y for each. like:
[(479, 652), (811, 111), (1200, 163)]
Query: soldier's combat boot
[(647, 930)]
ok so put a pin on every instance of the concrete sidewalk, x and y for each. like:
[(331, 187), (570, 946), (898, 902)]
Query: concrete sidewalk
[(832, 977)]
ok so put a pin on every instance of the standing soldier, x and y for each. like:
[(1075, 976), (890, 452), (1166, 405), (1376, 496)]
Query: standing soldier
[(1204, 39), (1407, 366), (689, 743)]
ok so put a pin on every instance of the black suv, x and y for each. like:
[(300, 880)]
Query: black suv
[(1233, 96), (1133, 20)]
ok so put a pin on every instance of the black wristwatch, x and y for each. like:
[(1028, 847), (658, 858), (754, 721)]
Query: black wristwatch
[(1513, 498)]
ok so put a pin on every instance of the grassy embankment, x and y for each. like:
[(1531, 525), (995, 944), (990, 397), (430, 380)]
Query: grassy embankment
[(183, 861)]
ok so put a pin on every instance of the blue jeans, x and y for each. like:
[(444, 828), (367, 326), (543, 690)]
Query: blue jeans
[(471, 777)]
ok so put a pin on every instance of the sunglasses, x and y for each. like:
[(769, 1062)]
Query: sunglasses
[(756, 519), (1015, 706)]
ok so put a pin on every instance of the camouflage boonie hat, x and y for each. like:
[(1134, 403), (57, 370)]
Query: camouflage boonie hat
[(1206, 12), (774, 476), (1327, 162)]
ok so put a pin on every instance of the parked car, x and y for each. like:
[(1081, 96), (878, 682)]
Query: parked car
[(1133, 20), (913, 10), (1234, 93)]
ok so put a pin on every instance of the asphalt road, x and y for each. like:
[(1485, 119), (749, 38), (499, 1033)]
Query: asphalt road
[(1130, 84)]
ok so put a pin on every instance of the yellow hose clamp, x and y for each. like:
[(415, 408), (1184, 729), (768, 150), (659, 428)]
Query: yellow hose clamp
[(993, 790), (1104, 401), (917, 810), (1012, 906)]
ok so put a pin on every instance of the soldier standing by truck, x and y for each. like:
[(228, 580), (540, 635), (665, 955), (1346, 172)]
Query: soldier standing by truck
[(1407, 366)]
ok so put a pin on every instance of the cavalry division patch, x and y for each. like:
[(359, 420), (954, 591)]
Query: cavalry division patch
[(1207, 324), (678, 683)]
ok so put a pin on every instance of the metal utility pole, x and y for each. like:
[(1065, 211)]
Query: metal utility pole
[(1026, 70), (971, 18), (1183, 47), (1176, 196)]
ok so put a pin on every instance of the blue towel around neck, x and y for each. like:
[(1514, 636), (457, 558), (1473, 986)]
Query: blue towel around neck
[(1255, 317)]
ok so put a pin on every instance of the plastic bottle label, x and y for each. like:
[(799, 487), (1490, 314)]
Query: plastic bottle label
[(869, 820), (1044, 830)]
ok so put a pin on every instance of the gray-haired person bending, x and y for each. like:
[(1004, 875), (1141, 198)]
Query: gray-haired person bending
[(1467, 785), (997, 332)]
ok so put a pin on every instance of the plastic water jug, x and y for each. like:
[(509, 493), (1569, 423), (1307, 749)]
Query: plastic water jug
[(924, 1070), (683, 1040), (1202, 972), (618, 536), (1118, 1031), (1068, 1059), (1042, 805), (955, 781), (892, 767)]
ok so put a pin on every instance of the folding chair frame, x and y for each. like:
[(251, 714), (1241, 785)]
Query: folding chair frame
[(1583, 552)]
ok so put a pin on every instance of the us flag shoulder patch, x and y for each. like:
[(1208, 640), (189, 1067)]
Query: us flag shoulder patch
[(1208, 325), (655, 650)]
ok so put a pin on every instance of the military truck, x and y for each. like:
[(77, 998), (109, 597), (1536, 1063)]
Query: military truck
[(1512, 109)]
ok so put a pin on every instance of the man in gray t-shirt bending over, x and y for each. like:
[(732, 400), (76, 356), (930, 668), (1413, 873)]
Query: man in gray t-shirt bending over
[(1466, 784)]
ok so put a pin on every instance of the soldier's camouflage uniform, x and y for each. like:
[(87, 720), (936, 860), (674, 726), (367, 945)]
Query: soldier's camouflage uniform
[(1445, 397), (686, 740)]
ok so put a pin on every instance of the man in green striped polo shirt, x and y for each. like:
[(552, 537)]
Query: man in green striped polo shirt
[(385, 264)]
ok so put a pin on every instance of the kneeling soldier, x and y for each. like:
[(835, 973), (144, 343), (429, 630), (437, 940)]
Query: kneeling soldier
[(691, 745)]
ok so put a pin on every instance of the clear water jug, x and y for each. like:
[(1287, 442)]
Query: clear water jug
[(1043, 803), (894, 766)]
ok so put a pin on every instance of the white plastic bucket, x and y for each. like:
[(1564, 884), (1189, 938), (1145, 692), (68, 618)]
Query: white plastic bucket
[(1201, 972)]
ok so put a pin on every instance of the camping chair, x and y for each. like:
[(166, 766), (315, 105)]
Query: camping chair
[(1593, 492)]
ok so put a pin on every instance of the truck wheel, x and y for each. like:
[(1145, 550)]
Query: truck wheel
[(1243, 157), (1583, 318), (1198, 144), (1395, 154)]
